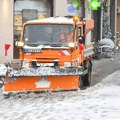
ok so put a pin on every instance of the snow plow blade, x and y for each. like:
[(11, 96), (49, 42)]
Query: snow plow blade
[(42, 79), (52, 83)]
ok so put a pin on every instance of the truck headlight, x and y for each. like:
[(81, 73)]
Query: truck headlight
[(19, 44)]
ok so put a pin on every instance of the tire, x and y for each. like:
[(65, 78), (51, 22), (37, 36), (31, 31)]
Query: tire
[(85, 80), (87, 76), (81, 82)]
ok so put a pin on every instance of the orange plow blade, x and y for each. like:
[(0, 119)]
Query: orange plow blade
[(53, 83)]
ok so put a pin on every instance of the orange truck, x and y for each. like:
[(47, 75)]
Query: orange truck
[(55, 55)]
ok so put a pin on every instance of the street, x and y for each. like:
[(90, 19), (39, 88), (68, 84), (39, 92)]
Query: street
[(104, 67)]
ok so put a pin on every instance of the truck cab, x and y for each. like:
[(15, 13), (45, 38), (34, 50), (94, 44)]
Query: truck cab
[(53, 39)]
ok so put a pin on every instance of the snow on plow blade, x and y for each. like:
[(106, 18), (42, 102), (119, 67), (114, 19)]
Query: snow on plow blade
[(42, 79), (45, 71)]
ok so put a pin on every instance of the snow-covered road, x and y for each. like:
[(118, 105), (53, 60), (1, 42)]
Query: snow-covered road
[(99, 102)]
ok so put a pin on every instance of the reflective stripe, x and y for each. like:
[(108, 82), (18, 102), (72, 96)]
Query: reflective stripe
[(64, 52)]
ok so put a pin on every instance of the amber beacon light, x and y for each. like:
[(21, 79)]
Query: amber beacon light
[(75, 19)]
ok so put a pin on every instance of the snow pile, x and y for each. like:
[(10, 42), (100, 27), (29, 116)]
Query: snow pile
[(113, 79), (106, 46), (3, 70), (107, 42)]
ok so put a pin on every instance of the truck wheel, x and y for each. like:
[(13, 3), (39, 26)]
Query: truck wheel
[(87, 78), (81, 82)]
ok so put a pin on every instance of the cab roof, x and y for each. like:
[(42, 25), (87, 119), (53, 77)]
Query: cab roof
[(52, 20)]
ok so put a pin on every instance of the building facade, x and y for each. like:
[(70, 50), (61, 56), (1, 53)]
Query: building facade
[(14, 12)]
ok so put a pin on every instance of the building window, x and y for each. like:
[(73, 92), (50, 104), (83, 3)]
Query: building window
[(25, 10)]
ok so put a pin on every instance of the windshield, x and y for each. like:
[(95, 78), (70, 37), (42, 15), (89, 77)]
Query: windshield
[(48, 34)]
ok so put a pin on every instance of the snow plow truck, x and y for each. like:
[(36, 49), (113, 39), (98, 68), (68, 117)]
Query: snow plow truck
[(55, 55)]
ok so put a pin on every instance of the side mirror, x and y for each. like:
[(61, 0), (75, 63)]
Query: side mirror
[(71, 45), (81, 39)]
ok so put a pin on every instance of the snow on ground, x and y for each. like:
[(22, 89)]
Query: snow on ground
[(99, 102), (3, 70)]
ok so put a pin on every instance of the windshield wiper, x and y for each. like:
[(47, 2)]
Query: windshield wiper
[(32, 44), (53, 45), (46, 44), (56, 45)]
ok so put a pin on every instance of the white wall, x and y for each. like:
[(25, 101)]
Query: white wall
[(60, 8), (6, 29)]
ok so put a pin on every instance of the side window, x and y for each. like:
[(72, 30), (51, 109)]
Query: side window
[(80, 38), (79, 32), (26, 33)]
